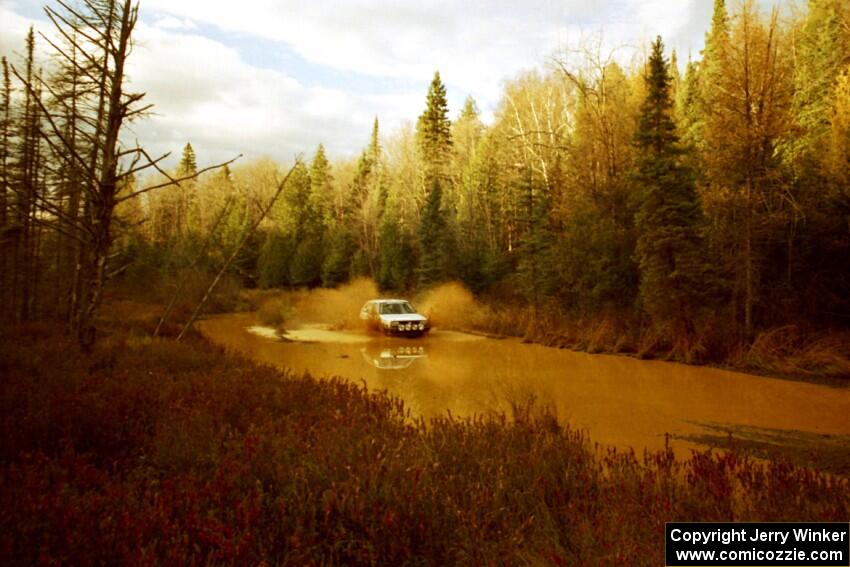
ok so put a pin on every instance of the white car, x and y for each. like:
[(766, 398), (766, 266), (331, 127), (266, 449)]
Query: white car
[(394, 317)]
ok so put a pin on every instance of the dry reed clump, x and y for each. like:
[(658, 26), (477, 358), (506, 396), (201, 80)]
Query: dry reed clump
[(513, 321), (787, 350), (338, 308), (603, 336)]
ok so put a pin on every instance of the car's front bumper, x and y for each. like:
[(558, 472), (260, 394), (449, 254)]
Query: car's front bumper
[(402, 330)]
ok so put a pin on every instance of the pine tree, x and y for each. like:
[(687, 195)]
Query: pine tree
[(675, 76), (395, 265), (336, 264), (534, 271), (714, 62), (671, 273), (274, 260), (185, 197), (432, 228), (433, 133), (688, 116), (188, 163), (717, 38), (321, 186), (374, 150)]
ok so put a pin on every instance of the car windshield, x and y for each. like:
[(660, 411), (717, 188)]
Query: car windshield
[(396, 308)]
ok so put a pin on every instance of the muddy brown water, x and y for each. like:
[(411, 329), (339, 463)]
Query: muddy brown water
[(620, 401)]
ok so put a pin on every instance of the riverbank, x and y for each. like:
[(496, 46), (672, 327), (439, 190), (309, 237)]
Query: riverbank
[(149, 450), (787, 352)]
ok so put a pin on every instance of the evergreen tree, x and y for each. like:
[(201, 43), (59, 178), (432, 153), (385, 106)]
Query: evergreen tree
[(711, 70), (433, 133), (321, 187), (305, 268), (688, 116), (186, 197), (717, 38), (675, 76), (339, 250), (534, 270), (432, 251), (668, 246), (395, 271), (274, 260), (320, 168), (188, 163), (374, 150)]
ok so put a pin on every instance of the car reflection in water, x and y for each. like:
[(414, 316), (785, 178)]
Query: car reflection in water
[(393, 357)]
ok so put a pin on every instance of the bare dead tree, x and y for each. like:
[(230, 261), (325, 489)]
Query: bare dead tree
[(95, 42)]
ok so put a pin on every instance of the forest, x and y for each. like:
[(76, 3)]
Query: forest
[(696, 205)]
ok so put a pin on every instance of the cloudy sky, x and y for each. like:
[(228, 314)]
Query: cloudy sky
[(276, 77)]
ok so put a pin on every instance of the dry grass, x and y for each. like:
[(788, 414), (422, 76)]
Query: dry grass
[(785, 351), (789, 351)]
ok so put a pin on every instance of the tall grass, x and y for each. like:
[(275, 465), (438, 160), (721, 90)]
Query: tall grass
[(149, 451), (787, 350)]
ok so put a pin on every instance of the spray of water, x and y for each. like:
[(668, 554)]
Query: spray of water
[(337, 308), (450, 306)]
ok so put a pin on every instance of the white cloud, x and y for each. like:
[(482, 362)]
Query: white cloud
[(172, 23), (475, 44), (12, 31), (194, 60), (205, 93)]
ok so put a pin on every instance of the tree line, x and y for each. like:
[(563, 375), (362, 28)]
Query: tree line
[(718, 197)]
